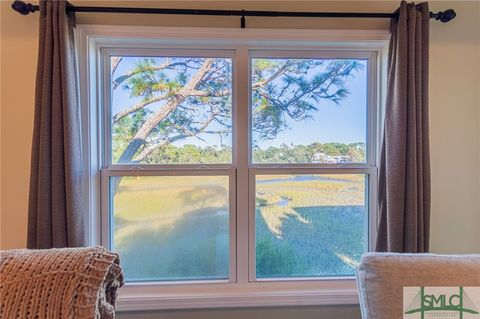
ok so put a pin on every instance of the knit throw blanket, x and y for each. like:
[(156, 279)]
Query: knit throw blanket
[(59, 283)]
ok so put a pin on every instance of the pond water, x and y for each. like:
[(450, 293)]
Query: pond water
[(283, 202), (301, 178)]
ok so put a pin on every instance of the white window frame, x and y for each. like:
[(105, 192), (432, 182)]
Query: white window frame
[(94, 43)]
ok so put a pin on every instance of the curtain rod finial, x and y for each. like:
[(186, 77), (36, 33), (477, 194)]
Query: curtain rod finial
[(444, 16), (23, 8)]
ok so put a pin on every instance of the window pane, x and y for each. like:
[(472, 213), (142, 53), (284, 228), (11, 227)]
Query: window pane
[(309, 225), (309, 110), (171, 227), (171, 110)]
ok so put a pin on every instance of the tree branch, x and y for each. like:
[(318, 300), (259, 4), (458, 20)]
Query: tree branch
[(138, 106), (210, 94), (117, 117), (115, 60), (331, 77), (275, 75), (188, 133), (139, 139), (131, 73), (152, 147)]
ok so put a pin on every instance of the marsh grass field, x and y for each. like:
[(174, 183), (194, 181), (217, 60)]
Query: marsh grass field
[(177, 227)]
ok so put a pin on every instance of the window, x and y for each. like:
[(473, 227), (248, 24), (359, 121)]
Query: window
[(171, 222), (309, 225), (232, 169), (308, 110), (169, 228)]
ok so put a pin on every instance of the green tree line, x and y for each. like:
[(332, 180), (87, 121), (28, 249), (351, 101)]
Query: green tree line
[(192, 154)]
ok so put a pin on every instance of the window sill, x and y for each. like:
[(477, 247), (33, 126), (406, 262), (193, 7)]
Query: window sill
[(341, 292)]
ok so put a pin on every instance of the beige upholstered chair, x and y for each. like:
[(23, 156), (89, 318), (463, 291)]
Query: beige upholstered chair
[(382, 276)]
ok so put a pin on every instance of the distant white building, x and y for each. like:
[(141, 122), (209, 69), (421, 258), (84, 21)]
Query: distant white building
[(324, 158)]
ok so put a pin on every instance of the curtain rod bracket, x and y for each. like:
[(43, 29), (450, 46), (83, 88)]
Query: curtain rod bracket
[(242, 20)]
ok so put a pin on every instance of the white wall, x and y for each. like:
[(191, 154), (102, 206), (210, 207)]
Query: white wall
[(455, 130)]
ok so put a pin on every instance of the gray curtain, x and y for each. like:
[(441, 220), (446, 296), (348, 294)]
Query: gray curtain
[(404, 179), (56, 212)]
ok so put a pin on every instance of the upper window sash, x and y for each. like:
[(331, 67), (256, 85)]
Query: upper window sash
[(107, 101), (371, 57), (371, 101)]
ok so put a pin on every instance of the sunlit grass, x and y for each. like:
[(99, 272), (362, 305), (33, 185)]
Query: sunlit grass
[(310, 224), (330, 190), (140, 198), (152, 202)]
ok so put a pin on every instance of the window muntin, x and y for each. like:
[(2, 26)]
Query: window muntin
[(309, 225), (171, 228), (171, 110), (308, 110), (237, 161)]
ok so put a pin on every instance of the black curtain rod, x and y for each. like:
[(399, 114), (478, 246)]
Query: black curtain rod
[(27, 8)]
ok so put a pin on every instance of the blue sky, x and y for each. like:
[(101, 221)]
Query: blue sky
[(343, 123)]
